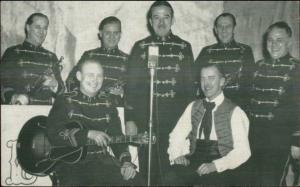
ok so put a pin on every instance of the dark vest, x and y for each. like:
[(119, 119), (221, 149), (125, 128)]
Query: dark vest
[(222, 120)]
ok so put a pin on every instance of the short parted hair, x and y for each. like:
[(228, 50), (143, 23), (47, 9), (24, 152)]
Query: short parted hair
[(109, 20), (82, 62), (208, 64), (29, 20), (226, 14), (160, 3), (280, 25)]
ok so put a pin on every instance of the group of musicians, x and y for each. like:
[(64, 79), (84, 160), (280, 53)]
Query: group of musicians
[(221, 119)]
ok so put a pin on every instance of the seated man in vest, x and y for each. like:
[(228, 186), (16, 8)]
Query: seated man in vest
[(210, 138)]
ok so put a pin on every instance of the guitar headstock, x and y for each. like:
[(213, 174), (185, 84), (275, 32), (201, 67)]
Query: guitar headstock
[(143, 138)]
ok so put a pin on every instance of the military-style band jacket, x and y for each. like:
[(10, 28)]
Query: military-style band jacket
[(114, 63), (237, 62), (23, 71), (91, 113), (275, 101), (173, 84)]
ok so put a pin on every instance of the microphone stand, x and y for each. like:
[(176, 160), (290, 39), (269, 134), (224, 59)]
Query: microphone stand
[(152, 72)]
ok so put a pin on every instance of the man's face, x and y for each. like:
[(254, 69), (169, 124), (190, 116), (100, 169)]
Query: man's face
[(161, 20), (90, 78), (37, 31), (211, 82), (278, 43), (225, 29), (111, 35)]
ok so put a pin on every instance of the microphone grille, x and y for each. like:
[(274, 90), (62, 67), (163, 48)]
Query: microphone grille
[(153, 52)]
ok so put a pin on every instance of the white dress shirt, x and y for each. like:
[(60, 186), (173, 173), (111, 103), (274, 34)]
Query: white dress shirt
[(179, 145)]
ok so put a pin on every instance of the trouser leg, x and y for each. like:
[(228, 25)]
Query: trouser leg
[(180, 175)]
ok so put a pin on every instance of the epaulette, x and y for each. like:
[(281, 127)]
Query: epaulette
[(92, 50), (50, 54), (15, 47), (179, 39), (260, 61), (123, 54), (141, 43), (103, 94), (210, 47), (294, 60), (242, 46)]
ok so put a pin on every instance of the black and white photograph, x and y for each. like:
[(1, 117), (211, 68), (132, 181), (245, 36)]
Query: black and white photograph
[(150, 93)]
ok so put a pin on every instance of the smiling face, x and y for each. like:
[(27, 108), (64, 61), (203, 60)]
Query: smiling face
[(225, 29), (90, 78), (278, 43), (212, 82), (37, 30), (110, 35), (161, 20)]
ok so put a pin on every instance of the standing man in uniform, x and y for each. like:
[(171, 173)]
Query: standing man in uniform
[(236, 58), (30, 74), (114, 61), (84, 116), (173, 86), (275, 106)]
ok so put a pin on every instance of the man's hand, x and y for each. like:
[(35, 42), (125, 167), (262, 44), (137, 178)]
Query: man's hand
[(117, 91), (131, 128), (181, 160), (19, 99), (206, 168), (51, 82), (295, 152), (101, 138), (128, 171)]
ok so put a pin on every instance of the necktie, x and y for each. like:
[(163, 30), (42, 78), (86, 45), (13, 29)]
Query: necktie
[(207, 119)]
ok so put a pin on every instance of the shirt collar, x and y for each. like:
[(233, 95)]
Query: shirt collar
[(110, 51), (30, 45), (229, 44), (87, 98), (166, 38), (218, 100), (281, 60)]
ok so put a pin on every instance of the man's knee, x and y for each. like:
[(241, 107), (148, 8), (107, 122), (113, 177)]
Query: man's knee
[(138, 180), (172, 179), (178, 175)]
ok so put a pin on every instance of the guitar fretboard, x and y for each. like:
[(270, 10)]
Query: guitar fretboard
[(118, 139)]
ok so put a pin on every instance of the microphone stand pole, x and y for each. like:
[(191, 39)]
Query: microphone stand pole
[(152, 72)]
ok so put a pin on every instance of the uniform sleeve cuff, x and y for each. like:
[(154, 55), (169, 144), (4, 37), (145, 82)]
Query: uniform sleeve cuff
[(81, 137), (218, 165), (129, 115), (296, 140)]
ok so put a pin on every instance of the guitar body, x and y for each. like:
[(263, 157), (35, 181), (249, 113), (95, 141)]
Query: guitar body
[(35, 153), (38, 157), (33, 146)]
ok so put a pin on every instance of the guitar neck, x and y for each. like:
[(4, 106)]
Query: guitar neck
[(117, 139)]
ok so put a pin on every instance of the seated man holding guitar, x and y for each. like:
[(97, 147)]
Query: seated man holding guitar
[(210, 139), (80, 126)]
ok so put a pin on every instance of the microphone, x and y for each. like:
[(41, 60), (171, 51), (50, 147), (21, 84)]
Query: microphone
[(152, 64), (152, 57)]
